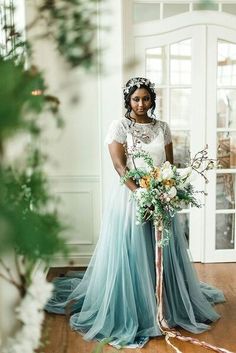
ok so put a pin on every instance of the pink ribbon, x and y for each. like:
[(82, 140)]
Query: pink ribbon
[(163, 325)]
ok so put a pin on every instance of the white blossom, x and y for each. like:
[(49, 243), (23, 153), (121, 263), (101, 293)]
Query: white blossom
[(166, 171), (138, 81), (40, 288), (18, 345), (186, 172), (172, 192), (139, 193), (30, 313)]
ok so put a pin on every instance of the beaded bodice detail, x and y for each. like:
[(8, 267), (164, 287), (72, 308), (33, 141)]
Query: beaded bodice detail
[(151, 137)]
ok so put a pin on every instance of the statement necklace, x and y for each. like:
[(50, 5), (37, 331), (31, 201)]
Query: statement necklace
[(153, 121)]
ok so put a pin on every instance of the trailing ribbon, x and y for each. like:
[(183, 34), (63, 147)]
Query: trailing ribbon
[(163, 325)]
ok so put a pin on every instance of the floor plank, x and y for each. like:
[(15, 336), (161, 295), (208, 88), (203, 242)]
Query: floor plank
[(61, 339)]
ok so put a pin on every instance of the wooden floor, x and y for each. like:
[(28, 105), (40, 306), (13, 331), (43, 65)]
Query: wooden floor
[(59, 338)]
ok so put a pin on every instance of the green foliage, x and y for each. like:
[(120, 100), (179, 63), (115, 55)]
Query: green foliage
[(147, 159), (135, 174), (24, 196), (17, 100), (27, 222), (72, 24), (99, 347), (207, 5)]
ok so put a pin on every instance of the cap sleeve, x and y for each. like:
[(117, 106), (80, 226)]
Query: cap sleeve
[(116, 132), (167, 134)]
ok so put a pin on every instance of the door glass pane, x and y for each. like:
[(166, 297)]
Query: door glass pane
[(156, 61), (225, 225), (180, 62), (146, 12), (226, 152), (230, 8), (174, 9), (160, 104), (181, 147), (184, 222), (226, 108), (226, 144), (225, 191), (205, 5), (226, 63), (180, 103)]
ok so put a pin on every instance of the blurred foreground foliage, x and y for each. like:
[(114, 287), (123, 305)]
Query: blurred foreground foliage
[(29, 221), (17, 102), (30, 225), (72, 24)]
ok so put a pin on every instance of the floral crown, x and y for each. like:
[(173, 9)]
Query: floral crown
[(138, 81)]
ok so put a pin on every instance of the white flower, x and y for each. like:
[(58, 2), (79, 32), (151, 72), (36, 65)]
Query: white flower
[(40, 289), (32, 334), (137, 81), (186, 172), (30, 313), (164, 195), (167, 172), (26, 340), (138, 193), (18, 346), (172, 192)]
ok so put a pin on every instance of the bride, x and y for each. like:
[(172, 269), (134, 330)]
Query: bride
[(115, 298)]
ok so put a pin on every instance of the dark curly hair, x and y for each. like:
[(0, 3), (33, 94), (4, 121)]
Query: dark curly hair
[(130, 88)]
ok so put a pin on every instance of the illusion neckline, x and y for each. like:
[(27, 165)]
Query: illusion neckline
[(136, 123)]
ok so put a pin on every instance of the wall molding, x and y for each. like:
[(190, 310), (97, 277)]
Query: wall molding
[(182, 20), (80, 206), (74, 260), (90, 225), (89, 178)]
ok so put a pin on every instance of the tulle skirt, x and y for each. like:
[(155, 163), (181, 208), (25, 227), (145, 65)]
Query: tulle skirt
[(115, 297)]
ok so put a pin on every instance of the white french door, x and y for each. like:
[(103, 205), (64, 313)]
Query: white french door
[(221, 134), (183, 64)]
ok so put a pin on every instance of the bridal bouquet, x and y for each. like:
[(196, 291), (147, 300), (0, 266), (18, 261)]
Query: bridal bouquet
[(165, 190)]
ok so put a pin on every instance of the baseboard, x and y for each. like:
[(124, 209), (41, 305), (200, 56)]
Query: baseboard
[(81, 260)]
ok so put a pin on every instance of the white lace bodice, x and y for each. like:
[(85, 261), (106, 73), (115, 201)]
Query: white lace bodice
[(151, 137)]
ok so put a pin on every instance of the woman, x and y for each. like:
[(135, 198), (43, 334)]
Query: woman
[(115, 297)]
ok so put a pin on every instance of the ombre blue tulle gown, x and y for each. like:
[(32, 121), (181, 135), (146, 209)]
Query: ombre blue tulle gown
[(115, 297)]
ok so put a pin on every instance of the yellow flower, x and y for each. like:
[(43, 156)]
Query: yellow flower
[(145, 182), (169, 183), (156, 173)]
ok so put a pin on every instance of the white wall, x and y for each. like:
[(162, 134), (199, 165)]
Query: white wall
[(80, 167)]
